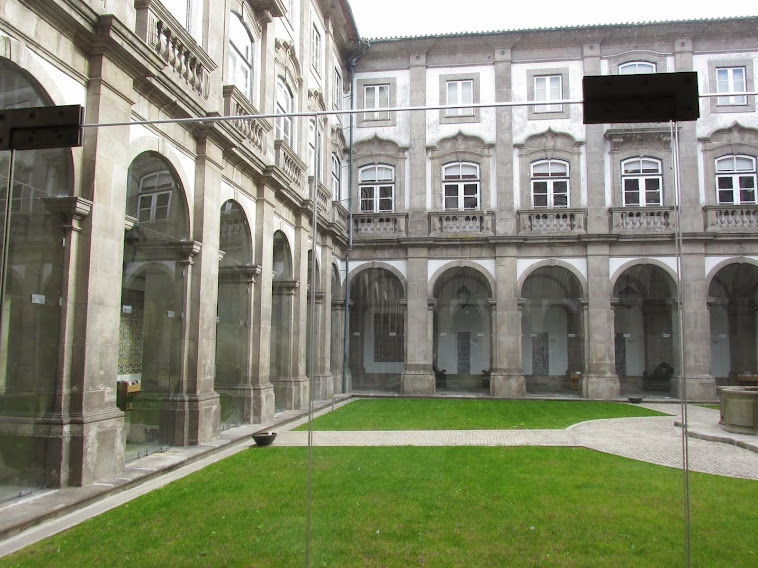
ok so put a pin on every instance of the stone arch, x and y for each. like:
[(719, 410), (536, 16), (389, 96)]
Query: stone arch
[(432, 282), (726, 262), (558, 263), (644, 260), (461, 148), (379, 264)]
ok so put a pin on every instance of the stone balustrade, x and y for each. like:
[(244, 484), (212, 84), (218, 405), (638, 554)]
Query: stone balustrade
[(290, 164), (379, 225), (185, 60), (549, 221), (252, 130), (460, 223), (340, 217), (731, 217), (643, 219)]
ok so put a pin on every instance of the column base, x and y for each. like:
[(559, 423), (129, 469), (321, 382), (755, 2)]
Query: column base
[(190, 420), (291, 393), (263, 403), (417, 384), (702, 389), (323, 387), (337, 380), (60, 451), (605, 387), (507, 386)]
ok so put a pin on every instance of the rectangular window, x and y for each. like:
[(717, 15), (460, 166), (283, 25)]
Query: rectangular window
[(548, 88), (460, 93), (316, 49), (377, 198), (337, 94), (376, 97), (731, 80)]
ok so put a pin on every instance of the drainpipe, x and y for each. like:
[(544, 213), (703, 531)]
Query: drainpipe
[(346, 343)]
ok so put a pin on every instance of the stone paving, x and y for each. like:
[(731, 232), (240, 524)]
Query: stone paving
[(655, 440)]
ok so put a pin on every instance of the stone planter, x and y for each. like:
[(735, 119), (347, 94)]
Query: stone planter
[(739, 409)]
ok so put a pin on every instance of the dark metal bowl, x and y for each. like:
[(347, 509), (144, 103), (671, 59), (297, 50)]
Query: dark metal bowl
[(635, 399), (264, 438)]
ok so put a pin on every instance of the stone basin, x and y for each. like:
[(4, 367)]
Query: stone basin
[(739, 409)]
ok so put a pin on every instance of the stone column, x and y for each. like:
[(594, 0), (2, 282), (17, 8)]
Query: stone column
[(600, 379), (296, 377), (260, 348), (418, 223), (244, 393), (338, 345), (506, 218), (507, 379), (418, 376), (323, 381), (199, 359), (95, 428), (696, 359)]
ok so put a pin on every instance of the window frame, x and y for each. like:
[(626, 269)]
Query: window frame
[(236, 57), (284, 125), (637, 63), (728, 103), (550, 182), (460, 184), (642, 179), (370, 117), (736, 175), (316, 49), (336, 177), (337, 89), (376, 186), (157, 190), (549, 110)]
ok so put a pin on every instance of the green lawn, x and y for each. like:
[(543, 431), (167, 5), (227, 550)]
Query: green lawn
[(400, 507), (470, 414)]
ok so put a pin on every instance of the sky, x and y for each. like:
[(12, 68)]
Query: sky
[(402, 18)]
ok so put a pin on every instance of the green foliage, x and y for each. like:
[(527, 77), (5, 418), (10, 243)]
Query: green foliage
[(470, 414), (407, 506)]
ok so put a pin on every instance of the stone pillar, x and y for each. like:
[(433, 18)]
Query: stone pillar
[(418, 376), (506, 218), (95, 427), (597, 208), (260, 348), (696, 359), (243, 394), (297, 382), (323, 382), (418, 218), (507, 379), (199, 351), (338, 346), (600, 379)]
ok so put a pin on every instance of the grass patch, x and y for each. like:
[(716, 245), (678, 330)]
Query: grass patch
[(470, 414), (565, 507)]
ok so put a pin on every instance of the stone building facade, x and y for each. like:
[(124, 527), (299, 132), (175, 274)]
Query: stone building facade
[(529, 253), (159, 284)]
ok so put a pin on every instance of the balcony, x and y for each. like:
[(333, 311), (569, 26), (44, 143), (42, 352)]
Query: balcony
[(731, 218), (187, 62), (461, 223), (379, 225), (290, 164), (643, 219), (252, 131), (551, 221)]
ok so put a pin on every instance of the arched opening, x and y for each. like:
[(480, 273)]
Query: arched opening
[(235, 279), (644, 300), (732, 301), (377, 331), (31, 311), (282, 325), (156, 254), (462, 332), (552, 331)]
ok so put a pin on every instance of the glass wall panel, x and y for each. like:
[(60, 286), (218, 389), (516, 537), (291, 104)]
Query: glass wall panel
[(30, 324), (156, 256)]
